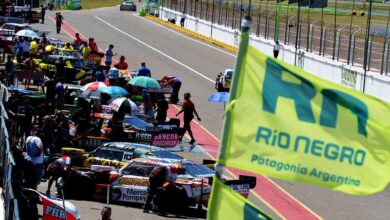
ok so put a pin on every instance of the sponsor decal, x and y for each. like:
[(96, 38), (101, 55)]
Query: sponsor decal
[(165, 140), (136, 195), (54, 211), (133, 181)]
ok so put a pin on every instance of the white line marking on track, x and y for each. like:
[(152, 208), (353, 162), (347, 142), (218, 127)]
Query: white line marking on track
[(189, 38), (153, 48)]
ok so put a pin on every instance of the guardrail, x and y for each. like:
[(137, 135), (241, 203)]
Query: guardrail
[(7, 162)]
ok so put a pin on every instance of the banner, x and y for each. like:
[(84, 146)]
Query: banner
[(227, 204), (286, 123)]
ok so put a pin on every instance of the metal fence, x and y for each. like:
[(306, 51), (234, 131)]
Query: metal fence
[(7, 163), (339, 42)]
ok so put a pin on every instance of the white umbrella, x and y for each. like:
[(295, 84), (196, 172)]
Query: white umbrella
[(115, 104), (27, 33)]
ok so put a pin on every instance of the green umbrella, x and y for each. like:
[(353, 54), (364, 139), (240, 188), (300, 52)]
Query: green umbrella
[(146, 82)]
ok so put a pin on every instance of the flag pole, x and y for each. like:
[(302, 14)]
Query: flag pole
[(297, 34), (308, 30), (278, 8), (322, 25), (242, 50), (366, 45), (384, 44), (350, 33), (334, 33)]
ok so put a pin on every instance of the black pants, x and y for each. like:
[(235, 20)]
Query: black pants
[(151, 192), (43, 18), (175, 92), (182, 22), (276, 53), (58, 28)]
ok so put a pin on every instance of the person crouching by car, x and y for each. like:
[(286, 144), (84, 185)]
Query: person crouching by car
[(57, 169), (157, 178)]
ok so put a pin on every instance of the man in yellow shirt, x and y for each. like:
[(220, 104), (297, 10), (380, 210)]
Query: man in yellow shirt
[(85, 50), (68, 47), (34, 47)]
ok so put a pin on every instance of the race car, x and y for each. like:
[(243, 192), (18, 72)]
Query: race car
[(74, 67), (23, 12), (116, 154), (223, 81), (133, 180), (128, 5)]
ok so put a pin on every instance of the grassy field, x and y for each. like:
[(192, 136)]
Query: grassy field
[(91, 4)]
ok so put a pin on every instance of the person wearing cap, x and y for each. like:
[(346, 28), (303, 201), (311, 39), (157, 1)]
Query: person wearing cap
[(77, 42), (189, 110), (57, 169)]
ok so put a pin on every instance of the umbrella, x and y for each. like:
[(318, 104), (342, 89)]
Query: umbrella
[(93, 86), (114, 91), (123, 103), (90, 94), (146, 82), (20, 90), (219, 97), (27, 33)]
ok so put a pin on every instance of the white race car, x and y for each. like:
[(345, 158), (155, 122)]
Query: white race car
[(133, 180)]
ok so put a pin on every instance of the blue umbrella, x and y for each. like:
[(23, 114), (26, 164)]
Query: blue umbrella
[(219, 97), (114, 91), (146, 82), (20, 90)]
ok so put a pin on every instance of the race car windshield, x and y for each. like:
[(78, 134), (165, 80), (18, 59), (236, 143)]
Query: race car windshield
[(197, 170), (142, 171), (165, 154), (109, 154)]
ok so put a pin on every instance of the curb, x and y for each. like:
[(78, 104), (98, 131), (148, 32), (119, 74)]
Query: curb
[(210, 40)]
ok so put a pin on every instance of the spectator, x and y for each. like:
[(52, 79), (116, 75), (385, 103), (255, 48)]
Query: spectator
[(182, 19), (81, 117), (109, 54), (92, 45), (62, 131), (34, 46), (60, 68), (162, 109), (44, 41), (189, 110), (24, 117), (43, 12), (122, 65), (143, 70), (59, 20), (99, 75), (50, 92), (34, 149), (19, 48), (77, 41), (113, 75), (60, 94), (277, 48), (106, 213), (85, 50), (26, 48), (68, 46), (10, 71), (148, 103)]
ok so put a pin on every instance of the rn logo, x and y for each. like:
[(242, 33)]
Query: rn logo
[(55, 212), (302, 92)]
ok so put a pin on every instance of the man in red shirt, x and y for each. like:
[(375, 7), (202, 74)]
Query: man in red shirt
[(122, 65), (189, 110), (77, 42), (92, 45)]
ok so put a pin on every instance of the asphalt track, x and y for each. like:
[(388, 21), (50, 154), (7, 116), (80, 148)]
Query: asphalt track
[(197, 64)]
